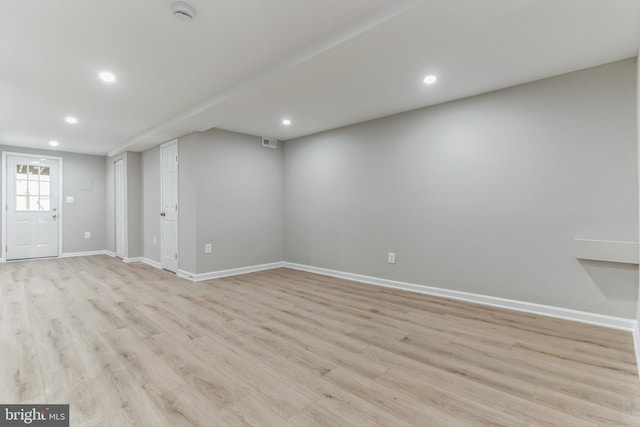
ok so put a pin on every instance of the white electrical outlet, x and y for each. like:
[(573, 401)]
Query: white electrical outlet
[(70, 199), (208, 248), (87, 234), (391, 257), (155, 240)]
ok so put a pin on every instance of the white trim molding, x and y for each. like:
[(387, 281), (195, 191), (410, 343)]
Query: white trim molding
[(184, 274), (230, 272), (152, 263), (132, 259), (89, 253), (527, 307), (111, 254)]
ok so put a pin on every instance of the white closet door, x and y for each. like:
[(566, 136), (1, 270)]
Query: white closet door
[(169, 208)]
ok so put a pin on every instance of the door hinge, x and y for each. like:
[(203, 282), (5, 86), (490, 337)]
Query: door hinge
[(176, 157)]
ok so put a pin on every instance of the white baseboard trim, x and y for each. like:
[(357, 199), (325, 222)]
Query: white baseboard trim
[(111, 254), (226, 273), (527, 307), (133, 259), (76, 254), (151, 262), (185, 274)]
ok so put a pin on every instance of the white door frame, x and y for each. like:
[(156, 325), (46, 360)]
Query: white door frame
[(166, 144), (5, 154)]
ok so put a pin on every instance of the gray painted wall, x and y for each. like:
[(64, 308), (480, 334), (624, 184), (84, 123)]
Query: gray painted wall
[(84, 179), (134, 204), (481, 195), (188, 190), (231, 193), (151, 204)]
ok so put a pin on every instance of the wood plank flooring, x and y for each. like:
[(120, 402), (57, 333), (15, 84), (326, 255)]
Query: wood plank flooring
[(129, 345)]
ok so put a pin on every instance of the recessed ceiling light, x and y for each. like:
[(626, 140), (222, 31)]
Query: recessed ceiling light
[(286, 122), (71, 120), (107, 77), (54, 143), (430, 79)]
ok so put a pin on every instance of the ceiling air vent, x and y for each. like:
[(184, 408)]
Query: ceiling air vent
[(271, 143)]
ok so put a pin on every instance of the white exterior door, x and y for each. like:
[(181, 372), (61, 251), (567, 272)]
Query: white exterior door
[(32, 207), (120, 195), (169, 207)]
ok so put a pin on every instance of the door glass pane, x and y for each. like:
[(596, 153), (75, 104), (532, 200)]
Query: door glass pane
[(21, 171), (21, 187), (33, 203), (21, 203), (44, 172), (33, 188), (44, 189), (33, 170), (44, 204)]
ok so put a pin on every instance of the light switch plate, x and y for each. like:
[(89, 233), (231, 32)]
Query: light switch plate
[(70, 199)]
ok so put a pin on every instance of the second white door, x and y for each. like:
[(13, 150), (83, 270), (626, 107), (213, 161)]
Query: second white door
[(169, 206)]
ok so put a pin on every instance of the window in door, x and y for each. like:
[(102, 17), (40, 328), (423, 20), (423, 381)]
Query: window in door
[(33, 188)]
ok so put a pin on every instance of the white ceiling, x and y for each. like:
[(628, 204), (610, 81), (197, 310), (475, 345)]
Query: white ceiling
[(244, 65)]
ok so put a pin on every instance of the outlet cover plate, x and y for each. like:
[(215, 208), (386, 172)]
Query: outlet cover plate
[(391, 257)]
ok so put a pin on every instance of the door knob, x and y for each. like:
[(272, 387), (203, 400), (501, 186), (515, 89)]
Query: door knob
[(54, 216), (162, 214)]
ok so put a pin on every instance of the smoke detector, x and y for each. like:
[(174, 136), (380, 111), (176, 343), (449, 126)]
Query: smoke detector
[(183, 11)]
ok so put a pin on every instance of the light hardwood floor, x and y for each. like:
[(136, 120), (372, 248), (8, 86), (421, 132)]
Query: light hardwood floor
[(132, 345)]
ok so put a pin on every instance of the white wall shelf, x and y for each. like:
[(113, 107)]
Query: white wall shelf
[(606, 250)]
